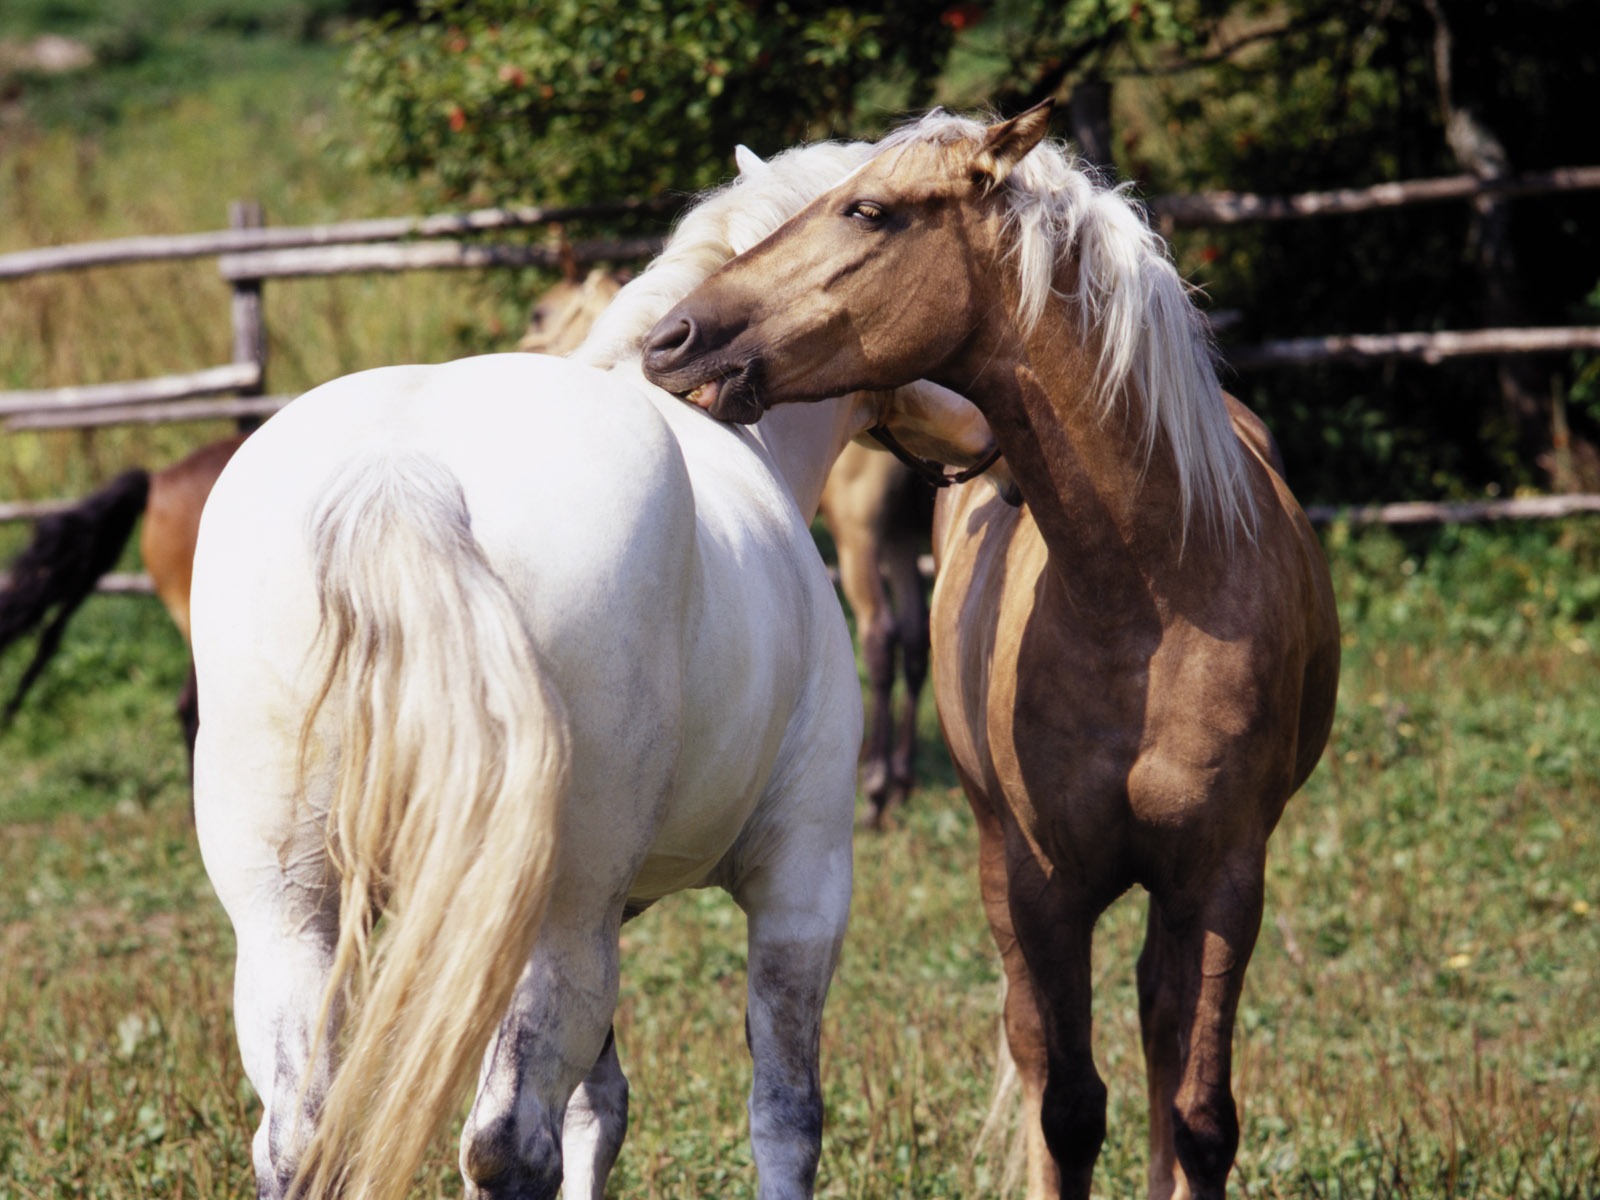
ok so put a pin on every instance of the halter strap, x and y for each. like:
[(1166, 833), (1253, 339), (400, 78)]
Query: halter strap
[(925, 468)]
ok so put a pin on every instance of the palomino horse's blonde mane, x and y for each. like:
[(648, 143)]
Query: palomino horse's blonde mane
[(1154, 347), (723, 223)]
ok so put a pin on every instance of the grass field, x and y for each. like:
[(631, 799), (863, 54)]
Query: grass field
[(1423, 1015)]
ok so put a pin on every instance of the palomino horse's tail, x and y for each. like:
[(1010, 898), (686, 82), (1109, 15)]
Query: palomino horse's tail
[(453, 756), (1000, 1135), (69, 553)]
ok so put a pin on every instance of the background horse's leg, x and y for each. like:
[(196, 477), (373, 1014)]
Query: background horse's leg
[(901, 549), (1213, 937), (552, 1037), (862, 584), (797, 904), (596, 1123)]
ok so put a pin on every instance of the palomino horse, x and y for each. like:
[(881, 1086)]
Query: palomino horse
[(507, 649), (71, 550), (1135, 671)]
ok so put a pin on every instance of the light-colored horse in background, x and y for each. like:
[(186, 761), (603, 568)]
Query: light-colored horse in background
[(1136, 670), (505, 650)]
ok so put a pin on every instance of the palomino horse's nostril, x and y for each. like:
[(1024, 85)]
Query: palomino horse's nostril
[(670, 341)]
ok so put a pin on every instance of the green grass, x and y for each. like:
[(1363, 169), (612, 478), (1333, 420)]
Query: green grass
[(1420, 1019)]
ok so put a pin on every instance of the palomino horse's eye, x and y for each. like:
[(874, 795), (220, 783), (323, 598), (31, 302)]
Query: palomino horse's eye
[(868, 212)]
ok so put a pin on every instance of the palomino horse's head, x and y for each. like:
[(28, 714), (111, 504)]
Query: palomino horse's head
[(875, 283)]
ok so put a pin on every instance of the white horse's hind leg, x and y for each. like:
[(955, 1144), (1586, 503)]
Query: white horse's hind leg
[(597, 1122), (276, 888), (550, 1040), (797, 907)]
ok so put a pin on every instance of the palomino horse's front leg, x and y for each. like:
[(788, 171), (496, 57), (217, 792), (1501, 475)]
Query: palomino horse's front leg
[(797, 907), (1191, 973), (553, 1037), (1052, 918)]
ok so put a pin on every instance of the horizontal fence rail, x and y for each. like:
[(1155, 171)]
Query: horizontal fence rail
[(1204, 209), (213, 381), (1428, 347), (168, 247), (237, 408), (304, 261)]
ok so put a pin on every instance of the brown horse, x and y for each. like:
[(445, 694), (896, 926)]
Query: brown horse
[(1136, 670), (71, 550)]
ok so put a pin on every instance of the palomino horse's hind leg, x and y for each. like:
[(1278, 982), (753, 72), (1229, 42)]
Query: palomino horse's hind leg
[(553, 1036), (596, 1124), (797, 905), (1191, 973)]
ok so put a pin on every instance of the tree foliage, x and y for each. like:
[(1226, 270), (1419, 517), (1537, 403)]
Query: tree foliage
[(576, 100), (584, 100)]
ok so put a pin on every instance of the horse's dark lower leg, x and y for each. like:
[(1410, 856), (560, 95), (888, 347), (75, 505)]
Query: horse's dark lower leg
[(1160, 977), (1054, 925), (1218, 948), (188, 709), (878, 653)]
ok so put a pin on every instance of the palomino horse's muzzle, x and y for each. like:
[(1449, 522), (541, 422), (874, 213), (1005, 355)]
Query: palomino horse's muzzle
[(675, 358)]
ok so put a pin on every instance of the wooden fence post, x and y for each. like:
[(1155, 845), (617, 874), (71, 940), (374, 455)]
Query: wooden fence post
[(249, 329)]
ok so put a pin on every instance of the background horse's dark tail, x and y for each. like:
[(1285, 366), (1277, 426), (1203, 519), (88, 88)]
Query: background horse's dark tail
[(69, 553)]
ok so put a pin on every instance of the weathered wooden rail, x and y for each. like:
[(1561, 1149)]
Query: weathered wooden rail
[(249, 253)]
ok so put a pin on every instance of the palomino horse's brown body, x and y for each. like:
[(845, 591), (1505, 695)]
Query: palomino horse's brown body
[(1136, 670)]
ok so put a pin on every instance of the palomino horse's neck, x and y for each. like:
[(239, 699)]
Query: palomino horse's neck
[(1107, 504)]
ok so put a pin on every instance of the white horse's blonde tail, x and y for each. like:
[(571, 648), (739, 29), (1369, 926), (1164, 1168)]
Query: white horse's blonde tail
[(453, 757), (1000, 1137)]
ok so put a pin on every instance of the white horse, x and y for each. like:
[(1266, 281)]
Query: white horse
[(505, 650)]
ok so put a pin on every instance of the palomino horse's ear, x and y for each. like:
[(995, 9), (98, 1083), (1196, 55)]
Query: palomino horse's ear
[(749, 162), (1006, 143)]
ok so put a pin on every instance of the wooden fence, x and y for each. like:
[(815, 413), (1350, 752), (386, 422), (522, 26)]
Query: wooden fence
[(249, 253)]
